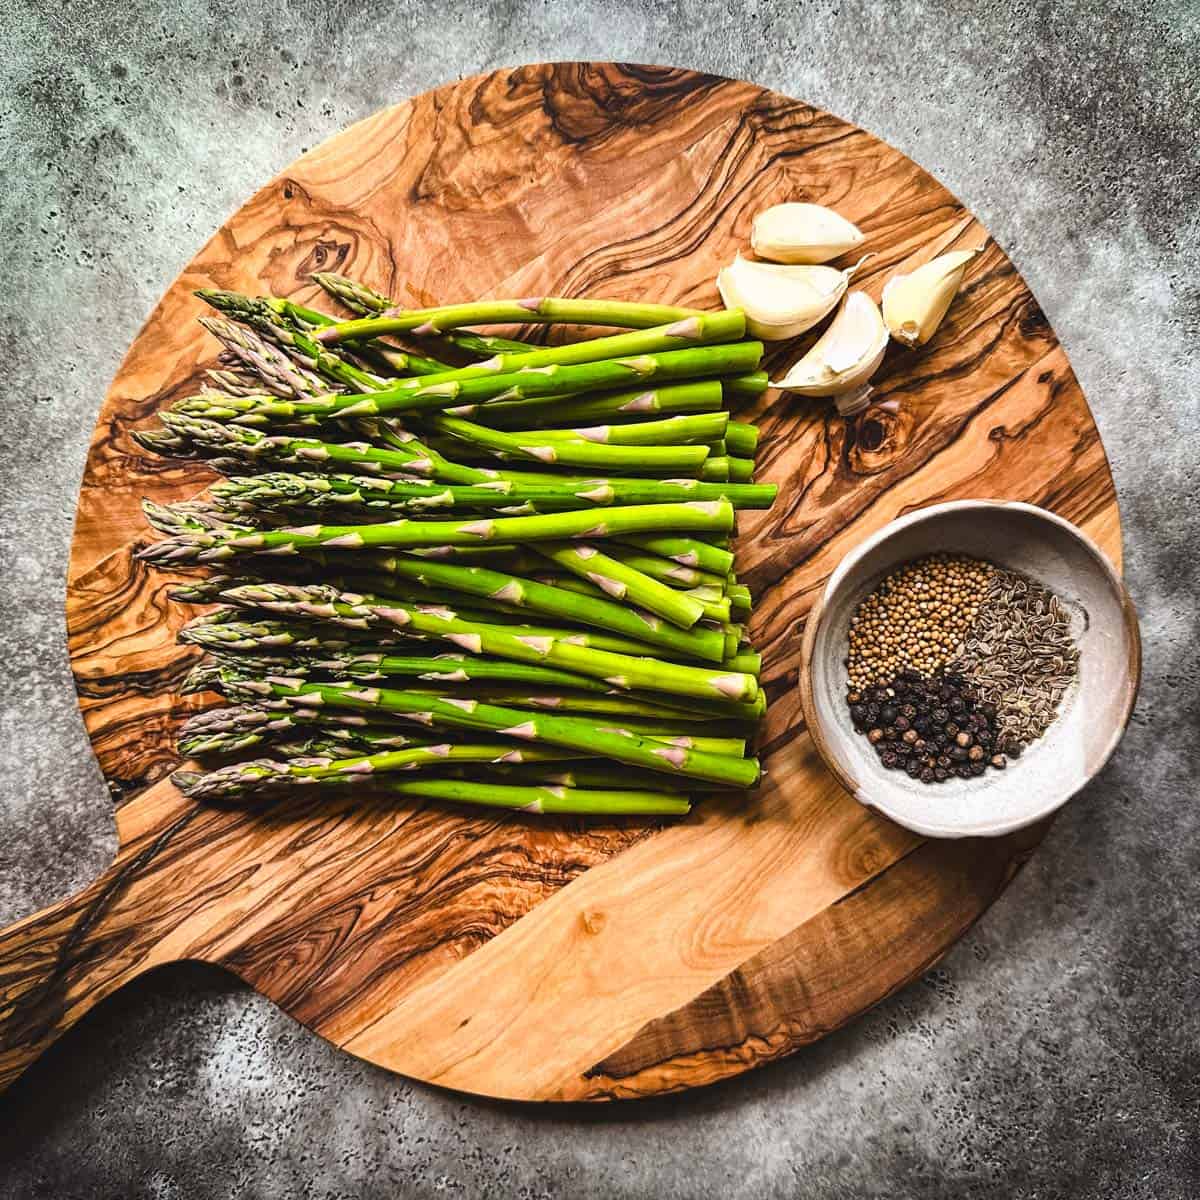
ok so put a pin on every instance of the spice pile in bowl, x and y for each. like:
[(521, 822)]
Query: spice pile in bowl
[(955, 665)]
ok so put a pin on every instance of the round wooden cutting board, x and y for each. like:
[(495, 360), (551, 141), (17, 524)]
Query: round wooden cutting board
[(544, 958)]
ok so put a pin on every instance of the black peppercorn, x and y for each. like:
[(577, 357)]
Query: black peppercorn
[(998, 761), (911, 737), (908, 711), (988, 710), (921, 723), (963, 770), (978, 768), (887, 713), (889, 732), (913, 767), (872, 712), (940, 774), (957, 753), (878, 694), (940, 715), (983, 737), (951, 728), (858, 714), (943, 760), (940, 739), (888, 759), (920, 745), (854, 697), (927, 775), (945, 692), (956, 704), (902, 723), (1012, 747), (975, 754)]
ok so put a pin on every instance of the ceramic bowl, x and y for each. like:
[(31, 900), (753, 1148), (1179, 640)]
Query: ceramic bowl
[(1093, 714)]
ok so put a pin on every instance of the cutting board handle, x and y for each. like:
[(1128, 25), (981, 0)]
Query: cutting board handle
[(58, 963)]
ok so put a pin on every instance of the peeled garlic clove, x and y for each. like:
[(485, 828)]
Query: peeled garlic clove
[(781, 302), (845, 356), (802, 233), (914, 304)]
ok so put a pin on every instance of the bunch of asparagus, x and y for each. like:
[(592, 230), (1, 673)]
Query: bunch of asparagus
[(471, 568)]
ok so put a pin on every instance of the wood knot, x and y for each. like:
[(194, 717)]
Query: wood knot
[(593, 921), (871, 434)]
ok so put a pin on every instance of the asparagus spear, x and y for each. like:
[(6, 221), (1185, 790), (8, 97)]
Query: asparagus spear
[(618, 521), (600, 612), (278, 373), (741, 439), (623, 581), (621, 670), (536, 310), (365, 301), (690, 552), (471, 385), (702, 395), (585, 452), (269, 318), (264, 773), (288, 490), (575, 733), (690, 429)]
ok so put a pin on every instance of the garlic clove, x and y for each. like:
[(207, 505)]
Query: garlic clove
[(914, 304), (781, 301), (802, 233), (845, 356)]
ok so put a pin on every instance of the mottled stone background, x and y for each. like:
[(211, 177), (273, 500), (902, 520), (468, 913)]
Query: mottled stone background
[(1056, 1051)]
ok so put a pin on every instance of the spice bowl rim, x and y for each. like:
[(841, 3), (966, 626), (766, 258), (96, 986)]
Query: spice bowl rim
[(878, 794)]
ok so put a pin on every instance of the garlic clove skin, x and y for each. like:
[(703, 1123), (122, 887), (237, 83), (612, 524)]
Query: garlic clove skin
[(915, 304), (781, 301), (802, 233), (845, 356)]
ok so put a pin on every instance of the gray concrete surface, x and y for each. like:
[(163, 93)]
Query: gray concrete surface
[(1056, 1051)]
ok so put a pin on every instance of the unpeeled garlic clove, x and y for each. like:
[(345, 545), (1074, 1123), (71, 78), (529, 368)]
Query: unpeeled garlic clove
[(802, 233), (781, 301), (914, 304), (845, 356)]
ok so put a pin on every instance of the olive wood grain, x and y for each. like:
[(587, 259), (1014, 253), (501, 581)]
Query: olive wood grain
[(560, 959)]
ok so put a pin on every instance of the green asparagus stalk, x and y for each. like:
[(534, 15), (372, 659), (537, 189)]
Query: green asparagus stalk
[(745, 386), (621, 670), (690, 552), (550, 799), (695, 397), (365, 301), (624, 582), (741, 439), (231, 729), (269, 318), (722, 467), (264, 773), (618, 521), (285, 490), (537, 310), (713, 604), (580, 452), (599, 612), (740, 599), (471, 385), (278, 373), (615, 742), (690, 429), (268, 324)]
